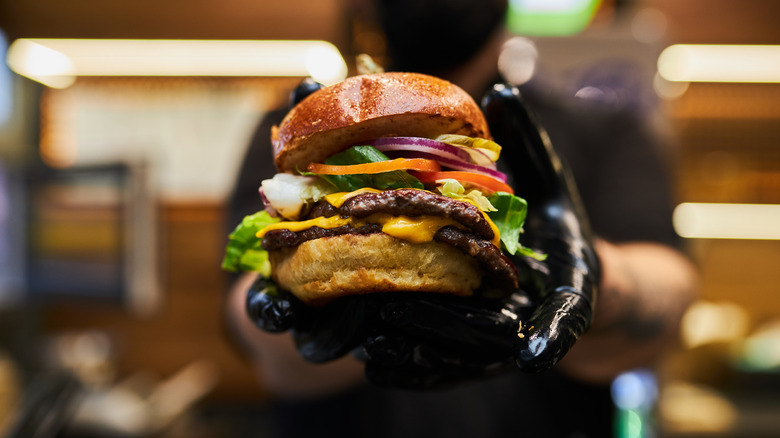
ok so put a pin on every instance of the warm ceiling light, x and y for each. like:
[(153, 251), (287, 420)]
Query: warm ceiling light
[(720, 63), (40, 63), (727, 221), (49, 60)]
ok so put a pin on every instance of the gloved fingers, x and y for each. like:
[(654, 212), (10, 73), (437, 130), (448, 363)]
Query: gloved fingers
[(564, 284), (570, 259), (452, 322), (270, 308), (526, 149), (437, 341), (413, 353), (320, 333), (306, 87), (553, 328), (325, 333)]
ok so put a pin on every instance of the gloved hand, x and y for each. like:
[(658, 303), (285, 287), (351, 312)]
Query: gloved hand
[(564, 286), (430, 340)]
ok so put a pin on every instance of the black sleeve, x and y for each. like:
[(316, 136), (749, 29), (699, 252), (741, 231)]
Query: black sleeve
[(620, 165), (631, 197), (257, 165)]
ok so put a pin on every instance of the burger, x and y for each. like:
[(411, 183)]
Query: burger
[(387, 183)]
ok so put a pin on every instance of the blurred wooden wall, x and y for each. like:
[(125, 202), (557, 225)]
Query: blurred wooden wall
[(189, 324), (729, 148)]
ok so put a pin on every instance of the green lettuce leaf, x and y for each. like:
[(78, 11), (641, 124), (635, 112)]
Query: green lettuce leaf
[(244, 251), (509, 217), (528, 252), (397, 179)]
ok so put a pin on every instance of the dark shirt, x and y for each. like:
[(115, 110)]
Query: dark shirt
[(621, 173)]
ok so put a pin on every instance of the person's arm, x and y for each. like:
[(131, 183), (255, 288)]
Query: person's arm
[(279, 367), (645, 289)]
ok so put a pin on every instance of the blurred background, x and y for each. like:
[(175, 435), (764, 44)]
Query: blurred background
[(123, 124)]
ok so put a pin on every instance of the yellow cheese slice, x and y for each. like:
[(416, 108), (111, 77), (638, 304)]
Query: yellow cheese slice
[(418, 229)]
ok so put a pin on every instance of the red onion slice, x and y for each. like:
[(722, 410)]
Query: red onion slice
[(435, 148)]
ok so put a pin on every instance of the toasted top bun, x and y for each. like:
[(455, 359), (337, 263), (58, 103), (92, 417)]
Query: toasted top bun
[(366, 107)]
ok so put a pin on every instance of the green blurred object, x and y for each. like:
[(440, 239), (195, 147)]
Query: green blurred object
[(550, 17)]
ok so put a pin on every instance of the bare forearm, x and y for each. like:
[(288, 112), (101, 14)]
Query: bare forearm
[(645, 290)]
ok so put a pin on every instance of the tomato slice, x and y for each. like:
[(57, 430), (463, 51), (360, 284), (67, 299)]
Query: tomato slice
[(420, 164), (484, 181)]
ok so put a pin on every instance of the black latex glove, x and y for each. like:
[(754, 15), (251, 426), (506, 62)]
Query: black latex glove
[(565, 284), (430, 340)]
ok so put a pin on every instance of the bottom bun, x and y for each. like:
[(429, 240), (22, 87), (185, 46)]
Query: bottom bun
[(320, 270)]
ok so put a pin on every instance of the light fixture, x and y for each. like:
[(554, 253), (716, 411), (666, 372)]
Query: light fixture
[(720, 63), (727, 221), (55, 62)]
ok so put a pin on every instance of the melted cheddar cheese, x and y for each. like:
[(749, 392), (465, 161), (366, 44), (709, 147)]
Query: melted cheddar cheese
[(417, 229)]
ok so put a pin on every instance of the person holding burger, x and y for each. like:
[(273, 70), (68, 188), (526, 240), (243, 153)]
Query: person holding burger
[(612, 279)]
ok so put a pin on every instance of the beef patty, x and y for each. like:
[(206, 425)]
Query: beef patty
[(477, 242)]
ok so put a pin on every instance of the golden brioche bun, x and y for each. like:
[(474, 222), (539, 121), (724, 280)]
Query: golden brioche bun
[(366, 107), (320, 270)]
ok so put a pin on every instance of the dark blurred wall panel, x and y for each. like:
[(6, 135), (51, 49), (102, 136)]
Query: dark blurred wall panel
[(201, 19)]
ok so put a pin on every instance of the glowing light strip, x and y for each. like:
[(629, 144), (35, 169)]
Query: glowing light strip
[(727, 221), (42, 59), (720, 63)]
